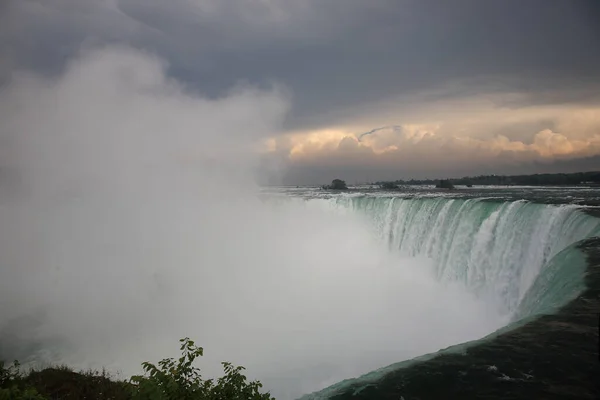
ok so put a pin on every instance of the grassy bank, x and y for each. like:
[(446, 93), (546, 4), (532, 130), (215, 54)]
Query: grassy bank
[(61, 382), (168, 379)]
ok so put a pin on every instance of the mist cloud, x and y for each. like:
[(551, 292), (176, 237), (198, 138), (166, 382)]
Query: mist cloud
[(100, 169)]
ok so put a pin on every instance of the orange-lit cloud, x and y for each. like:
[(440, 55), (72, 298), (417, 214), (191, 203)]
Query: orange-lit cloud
[(483, 133)]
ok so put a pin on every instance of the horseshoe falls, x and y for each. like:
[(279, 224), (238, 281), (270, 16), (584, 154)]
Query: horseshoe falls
[(532, 263), (496, 250)]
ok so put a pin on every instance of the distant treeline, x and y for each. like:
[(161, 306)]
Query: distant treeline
[(576, 178)]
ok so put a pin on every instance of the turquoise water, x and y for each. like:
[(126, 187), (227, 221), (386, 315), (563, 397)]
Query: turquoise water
[(498, 250), (518, 255)]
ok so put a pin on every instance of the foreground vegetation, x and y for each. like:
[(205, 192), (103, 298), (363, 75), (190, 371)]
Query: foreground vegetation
[(170, 379)]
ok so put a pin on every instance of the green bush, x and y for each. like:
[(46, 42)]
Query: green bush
[(180, 380), (11, 384), (15, 393)]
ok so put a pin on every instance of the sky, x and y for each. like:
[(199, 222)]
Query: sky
[(376, 90)]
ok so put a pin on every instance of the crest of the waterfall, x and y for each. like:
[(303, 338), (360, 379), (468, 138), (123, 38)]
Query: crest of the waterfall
[(495, 249)]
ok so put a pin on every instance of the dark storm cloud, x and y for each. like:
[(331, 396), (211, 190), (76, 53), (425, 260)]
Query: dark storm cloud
[(334, 55)]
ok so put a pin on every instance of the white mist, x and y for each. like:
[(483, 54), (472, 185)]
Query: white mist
[(130, 219)]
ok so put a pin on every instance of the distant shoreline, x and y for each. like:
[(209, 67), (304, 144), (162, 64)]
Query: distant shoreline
[(574, 179), (364, 187)]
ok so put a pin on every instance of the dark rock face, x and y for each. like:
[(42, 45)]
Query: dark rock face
[(336, 184), (552, 357), (388, 186), (445, 184)]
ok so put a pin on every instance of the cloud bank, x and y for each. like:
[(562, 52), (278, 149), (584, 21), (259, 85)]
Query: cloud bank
[(449, 139), (353, 66)]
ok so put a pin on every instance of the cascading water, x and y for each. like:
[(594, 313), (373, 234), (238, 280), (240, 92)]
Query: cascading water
[(520, 257), (496, 249)]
